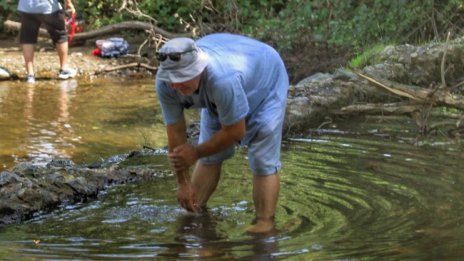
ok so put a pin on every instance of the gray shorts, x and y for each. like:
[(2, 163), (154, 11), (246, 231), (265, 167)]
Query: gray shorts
[(54, 23), (263, 148)]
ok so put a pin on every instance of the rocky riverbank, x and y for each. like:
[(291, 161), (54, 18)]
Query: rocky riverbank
[(415, 77), (29, 190)]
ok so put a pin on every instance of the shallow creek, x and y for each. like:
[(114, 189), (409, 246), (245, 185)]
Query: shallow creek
[(344, 196)]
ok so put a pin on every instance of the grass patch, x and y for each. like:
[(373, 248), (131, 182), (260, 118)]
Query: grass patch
[(364, 58)]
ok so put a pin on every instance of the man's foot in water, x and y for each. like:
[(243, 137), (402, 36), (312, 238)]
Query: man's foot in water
[(262, 226)]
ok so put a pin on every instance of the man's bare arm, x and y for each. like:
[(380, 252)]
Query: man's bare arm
[(224, 138)]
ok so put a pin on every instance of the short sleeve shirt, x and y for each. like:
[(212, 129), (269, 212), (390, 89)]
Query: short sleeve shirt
[(243, 76)]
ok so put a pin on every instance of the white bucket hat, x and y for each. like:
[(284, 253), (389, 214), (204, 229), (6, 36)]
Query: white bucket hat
[(191, 60)]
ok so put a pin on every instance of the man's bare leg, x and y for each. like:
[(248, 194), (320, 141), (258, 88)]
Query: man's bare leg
[(28, 54), (205, 179), (265, 194)]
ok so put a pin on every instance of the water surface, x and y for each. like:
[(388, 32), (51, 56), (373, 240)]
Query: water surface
[(344, 196), (85, 121)]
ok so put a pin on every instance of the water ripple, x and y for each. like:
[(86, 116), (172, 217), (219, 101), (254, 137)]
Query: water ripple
[(340, 199)]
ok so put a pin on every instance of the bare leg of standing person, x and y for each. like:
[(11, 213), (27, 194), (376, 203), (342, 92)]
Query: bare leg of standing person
[(28, 54), (65, 71), (62, 49), (265, 194)]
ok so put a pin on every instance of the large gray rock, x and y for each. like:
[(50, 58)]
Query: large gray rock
[(421, 65), (319, 97)]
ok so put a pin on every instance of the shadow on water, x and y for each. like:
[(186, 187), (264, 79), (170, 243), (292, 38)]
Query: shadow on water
[(343, 196)]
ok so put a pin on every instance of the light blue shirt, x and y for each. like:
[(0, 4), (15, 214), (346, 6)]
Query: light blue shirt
[(39, 6), (243, 78)]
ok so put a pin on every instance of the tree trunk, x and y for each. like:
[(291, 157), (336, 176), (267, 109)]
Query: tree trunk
[(113, 29)]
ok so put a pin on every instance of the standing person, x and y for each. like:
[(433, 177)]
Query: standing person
[(241, 86), (50, 13)]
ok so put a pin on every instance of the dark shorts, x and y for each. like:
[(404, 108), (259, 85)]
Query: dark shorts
[(54, 23)]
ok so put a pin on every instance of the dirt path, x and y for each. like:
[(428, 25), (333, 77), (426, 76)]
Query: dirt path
[(46, 61)]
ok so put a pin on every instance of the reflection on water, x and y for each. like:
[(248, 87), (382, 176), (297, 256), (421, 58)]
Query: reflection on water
[(46, 140), (84, 121), (343, 197)]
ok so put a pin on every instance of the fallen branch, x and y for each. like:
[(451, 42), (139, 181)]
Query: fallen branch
[(440, 98), (391, 87), (379, 108), (441, 114), (455, 124), (442, 68), (114, 29), (457, 85), (443, 61), (127, 66)]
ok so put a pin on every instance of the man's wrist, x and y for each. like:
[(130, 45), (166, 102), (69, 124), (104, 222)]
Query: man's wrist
[(183, 178), (197, 151)]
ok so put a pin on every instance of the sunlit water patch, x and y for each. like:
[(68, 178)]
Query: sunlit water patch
[(342, 198), (81, 120)]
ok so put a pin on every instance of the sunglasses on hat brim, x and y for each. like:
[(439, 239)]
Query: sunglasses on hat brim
[(175, 57)]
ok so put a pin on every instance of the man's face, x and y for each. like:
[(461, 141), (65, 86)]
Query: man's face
[(187, 87)]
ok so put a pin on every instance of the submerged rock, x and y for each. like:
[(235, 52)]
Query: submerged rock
[(28, 189)]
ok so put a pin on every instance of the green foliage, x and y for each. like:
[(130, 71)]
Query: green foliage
[(356, 24), (99, 13), (367, 22), (281, 25), (367, 56), (7, 10), (167, 13)]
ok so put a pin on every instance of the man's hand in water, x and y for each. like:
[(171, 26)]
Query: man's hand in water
[(187, 198)]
